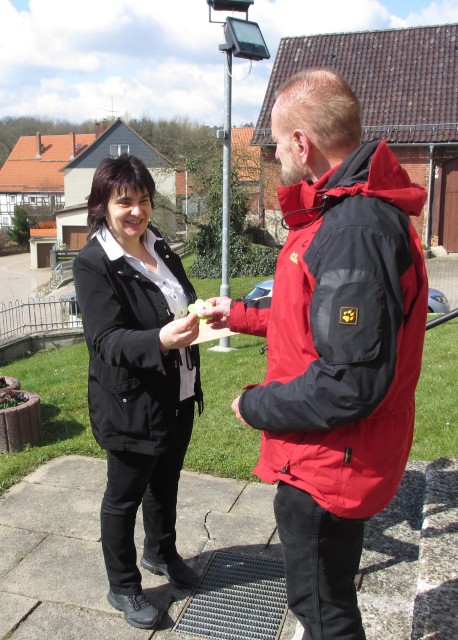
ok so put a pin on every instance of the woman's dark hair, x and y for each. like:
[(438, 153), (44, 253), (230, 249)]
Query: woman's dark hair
[(113, 176)]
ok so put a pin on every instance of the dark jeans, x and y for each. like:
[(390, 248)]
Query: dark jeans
[(134, 478), (322, 554)]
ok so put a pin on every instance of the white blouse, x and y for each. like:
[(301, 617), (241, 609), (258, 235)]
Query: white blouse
[(170, 288)]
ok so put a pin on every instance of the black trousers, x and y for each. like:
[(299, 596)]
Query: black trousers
[(322, 553), (152, 481)]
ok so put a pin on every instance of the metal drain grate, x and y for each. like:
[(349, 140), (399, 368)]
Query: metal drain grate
[(239, 598)]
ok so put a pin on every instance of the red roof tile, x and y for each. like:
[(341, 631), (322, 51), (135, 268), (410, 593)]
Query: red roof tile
[(245, 157), (43, 233), (29, 169), (406, 79)]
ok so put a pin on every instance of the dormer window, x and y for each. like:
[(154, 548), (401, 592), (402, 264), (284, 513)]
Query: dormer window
[(117, 149)]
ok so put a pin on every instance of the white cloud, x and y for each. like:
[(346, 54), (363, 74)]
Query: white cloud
[(445, 12), (79, 59)]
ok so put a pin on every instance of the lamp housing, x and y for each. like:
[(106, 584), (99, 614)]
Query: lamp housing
[(245, 39), (230, 5)]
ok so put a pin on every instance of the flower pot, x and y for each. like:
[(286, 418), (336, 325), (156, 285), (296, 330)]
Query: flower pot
[(12, 383), (21, 425)]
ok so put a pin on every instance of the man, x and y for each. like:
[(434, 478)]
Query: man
[(345, 329)]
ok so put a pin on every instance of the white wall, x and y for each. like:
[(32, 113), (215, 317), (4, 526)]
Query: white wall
[(77, 185)]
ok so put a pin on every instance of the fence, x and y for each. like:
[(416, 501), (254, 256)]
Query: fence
[(19, 318)]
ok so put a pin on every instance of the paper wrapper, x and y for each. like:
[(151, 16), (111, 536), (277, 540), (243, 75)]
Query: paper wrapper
[(206, 334)]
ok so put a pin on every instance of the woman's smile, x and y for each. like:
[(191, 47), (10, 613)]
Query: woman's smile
[(128, 215)]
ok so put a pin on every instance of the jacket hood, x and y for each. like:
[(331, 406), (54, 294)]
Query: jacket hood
[(372, 171)]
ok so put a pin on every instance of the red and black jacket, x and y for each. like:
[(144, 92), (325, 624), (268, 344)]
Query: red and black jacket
[(345, 329)]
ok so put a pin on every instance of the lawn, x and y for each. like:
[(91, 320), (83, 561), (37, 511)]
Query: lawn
[(220, 445)]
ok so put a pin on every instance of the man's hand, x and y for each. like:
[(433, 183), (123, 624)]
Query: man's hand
[(179, 333), (235, 409), (218, 315)]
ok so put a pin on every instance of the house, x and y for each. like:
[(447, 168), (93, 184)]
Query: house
[(118, 138), (31, 175), (406, 80)]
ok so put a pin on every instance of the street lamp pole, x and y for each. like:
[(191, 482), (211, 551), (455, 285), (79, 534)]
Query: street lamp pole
[(225, 289), (243, 40)]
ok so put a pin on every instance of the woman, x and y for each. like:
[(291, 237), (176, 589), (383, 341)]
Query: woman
[(143, 378)]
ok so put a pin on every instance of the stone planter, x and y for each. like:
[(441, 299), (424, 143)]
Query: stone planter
[(12, 383), (21, 425)]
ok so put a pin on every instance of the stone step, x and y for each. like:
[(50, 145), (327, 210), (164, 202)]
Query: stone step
[(409, 567), (435, 612), (389, 565)]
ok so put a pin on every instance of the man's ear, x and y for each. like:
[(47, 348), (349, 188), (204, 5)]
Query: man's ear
[(301, 142)]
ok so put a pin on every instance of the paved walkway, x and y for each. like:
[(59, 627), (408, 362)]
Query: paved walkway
[(53, 582), (52, 578)]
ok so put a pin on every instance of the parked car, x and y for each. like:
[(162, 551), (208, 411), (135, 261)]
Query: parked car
[(437, 301), (261, 289)]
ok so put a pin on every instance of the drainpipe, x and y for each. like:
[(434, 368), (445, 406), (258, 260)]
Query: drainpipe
[(430, 200)]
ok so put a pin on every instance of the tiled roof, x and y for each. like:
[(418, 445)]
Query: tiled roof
[(245, 157), (43, 233), (406, 79), (28, 169)]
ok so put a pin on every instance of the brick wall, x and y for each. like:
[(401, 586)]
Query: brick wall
[(415, 160)]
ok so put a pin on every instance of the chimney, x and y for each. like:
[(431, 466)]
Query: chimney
[(72, 145), (38, 140)]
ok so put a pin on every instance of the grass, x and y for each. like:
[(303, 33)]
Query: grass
[(220, 445)]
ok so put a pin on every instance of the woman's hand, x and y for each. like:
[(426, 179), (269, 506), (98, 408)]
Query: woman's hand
[(179, 333), (219, 313)]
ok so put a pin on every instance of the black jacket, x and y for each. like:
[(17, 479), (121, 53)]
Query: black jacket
[(133, 388)]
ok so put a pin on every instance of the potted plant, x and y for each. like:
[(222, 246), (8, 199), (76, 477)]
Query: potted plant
[(426, 251), (7, 382), (20, 419)]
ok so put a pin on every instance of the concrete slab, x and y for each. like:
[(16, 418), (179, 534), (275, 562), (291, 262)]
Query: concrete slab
[(51, 620), (71, 472), (62, 569), (49, 509), (16, 544), (197, 493), (13, 609)]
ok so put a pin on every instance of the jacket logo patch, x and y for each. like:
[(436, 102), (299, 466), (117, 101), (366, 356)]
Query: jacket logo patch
[(294, 257), (348, 315)]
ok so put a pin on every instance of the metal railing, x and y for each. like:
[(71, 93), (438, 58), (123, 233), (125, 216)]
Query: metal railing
[(19, 318), (441, 319), (63, 270)]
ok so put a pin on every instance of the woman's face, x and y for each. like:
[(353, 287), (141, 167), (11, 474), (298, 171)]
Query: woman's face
[(128, 215)]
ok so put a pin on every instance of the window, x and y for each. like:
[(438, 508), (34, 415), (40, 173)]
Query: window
[(12, 199), (117, 149), (5, 221)]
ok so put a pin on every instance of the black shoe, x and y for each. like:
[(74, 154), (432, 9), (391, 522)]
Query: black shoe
[(138, 611), (177, 572)]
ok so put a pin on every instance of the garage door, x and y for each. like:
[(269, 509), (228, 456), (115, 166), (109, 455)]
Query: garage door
[(74, 237), (43, 254)]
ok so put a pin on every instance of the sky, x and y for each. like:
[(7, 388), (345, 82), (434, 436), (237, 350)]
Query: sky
[(81, 60)]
